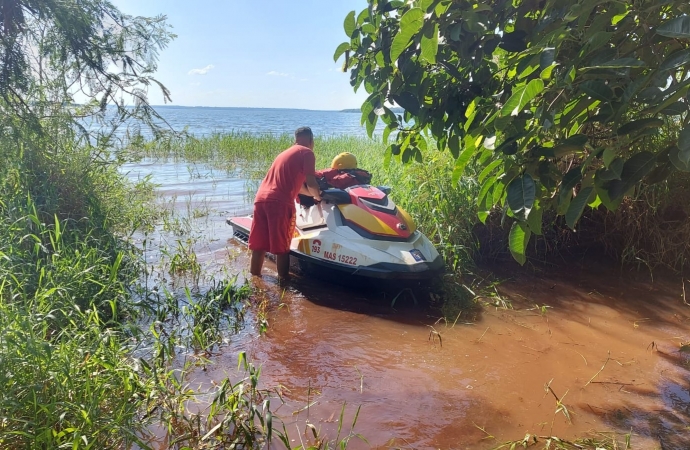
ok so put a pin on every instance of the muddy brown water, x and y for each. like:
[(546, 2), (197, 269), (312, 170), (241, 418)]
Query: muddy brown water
[(607, 345)]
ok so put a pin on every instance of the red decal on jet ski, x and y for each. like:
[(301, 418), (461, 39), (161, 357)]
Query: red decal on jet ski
[(316, 246), (330, 255)]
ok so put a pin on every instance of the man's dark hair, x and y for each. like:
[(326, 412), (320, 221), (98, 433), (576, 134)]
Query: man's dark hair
[(304, 133)]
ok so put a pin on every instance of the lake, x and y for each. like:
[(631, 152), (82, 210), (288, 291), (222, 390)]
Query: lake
[(201, 121)]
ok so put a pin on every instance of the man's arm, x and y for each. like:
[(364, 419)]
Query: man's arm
[(312, 188)]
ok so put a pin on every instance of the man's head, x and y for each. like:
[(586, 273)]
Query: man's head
[(304, 136)]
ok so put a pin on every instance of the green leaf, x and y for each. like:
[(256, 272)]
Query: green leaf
[(518, 240), (342, 48), (578, 140), (547, 57), (387, 132), (634, 170), (387, 157), (482, 200), (675, 109), (513, 42), (521, 195), (598, 90), (675, 60), (521, 96), (574, 144), (609, 155), (603, 195), (463, 159), (651, 95), (659, 173), (372, 118), (350, 24), (598, 39), (408, 101), (429, 45), (678, 28), (363, 16), (577, 206), (509, 146), (410, 24), (614, 171), (684, 145), (368, 28), (546, 73), (617, 64), (638, 125), (454, 145), (570, 180), (488, 169), (674, 157), (535, 219)]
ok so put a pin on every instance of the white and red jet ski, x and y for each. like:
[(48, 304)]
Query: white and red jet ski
[(357, 231)]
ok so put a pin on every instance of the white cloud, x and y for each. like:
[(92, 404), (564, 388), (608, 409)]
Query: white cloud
[(203, 71), (273, 73)]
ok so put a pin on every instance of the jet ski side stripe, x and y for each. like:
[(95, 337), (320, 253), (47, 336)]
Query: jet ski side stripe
[(354, 214)]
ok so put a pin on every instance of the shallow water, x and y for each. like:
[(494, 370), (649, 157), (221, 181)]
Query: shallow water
[(606, 344)]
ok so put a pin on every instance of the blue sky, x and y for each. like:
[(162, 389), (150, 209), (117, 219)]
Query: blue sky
[(253, 53)]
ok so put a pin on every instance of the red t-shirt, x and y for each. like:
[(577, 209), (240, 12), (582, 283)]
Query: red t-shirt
[(286, 175)]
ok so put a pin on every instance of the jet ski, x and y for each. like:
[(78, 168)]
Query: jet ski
[(357, 231)]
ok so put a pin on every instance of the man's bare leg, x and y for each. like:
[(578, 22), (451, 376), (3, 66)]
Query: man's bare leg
[(257, 262), (283, 266)]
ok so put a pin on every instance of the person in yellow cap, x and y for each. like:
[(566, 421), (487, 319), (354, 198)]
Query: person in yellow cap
[(344, 161)]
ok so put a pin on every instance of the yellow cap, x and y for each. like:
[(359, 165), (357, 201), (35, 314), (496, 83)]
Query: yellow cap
[(344, 160)]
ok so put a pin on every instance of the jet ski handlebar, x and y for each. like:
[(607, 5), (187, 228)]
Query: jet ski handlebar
[(342, 197), (336, 196)]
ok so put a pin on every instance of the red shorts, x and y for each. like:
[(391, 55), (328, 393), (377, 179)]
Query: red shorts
[(273, 226)]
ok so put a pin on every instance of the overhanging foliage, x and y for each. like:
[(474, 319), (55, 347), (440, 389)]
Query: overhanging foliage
[(563, 104), (54, 53)]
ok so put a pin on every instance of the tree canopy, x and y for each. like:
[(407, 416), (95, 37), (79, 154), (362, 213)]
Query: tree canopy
[(562, 104), (54, 53)]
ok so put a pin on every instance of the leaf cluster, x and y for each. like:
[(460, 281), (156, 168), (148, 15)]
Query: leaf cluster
[(561, 104)]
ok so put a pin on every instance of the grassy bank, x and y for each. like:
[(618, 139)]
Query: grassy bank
[(91, 359)]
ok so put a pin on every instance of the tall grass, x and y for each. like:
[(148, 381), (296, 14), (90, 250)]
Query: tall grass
[(88, 361), (442, 210)]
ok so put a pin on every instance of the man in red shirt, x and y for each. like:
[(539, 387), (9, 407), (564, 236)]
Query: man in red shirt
[(273, 223)]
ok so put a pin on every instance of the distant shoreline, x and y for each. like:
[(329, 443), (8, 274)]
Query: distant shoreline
[(396, 110), (347, 110), (252, 107)]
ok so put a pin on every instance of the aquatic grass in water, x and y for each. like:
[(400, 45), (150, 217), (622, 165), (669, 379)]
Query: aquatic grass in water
[(442, 210)]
